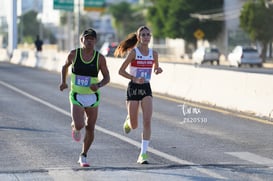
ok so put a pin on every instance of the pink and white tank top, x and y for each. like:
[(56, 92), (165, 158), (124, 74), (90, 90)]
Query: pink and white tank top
[(142, 65)]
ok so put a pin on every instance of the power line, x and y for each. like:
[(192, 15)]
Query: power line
[(218, 14)]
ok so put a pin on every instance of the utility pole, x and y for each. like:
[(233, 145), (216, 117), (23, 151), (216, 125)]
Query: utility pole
[(79, 19), (77, 10), (12, 40)]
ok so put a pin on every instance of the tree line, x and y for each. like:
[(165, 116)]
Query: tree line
[(171, 19)]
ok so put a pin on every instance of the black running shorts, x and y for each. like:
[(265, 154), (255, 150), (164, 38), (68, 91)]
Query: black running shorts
[(136, 92)]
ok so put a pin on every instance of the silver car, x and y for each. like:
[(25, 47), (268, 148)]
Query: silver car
[(206, 54), (244, 55), (108, 49)]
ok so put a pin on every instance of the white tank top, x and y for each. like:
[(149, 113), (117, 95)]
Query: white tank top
[(142, 65)]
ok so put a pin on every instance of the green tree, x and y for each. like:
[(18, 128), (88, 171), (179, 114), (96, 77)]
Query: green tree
[(256, 19), (126, 18), (173, 19), (28, 27)]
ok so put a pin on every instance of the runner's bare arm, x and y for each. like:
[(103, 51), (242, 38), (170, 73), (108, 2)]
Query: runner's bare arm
[(65, 67)]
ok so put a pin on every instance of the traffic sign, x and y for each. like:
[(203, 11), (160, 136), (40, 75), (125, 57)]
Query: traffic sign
[(199, 34), (94, 5), (67, 5)]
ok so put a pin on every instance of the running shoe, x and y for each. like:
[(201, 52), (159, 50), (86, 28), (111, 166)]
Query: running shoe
[(76, 134), (142, 159), (82, 161), (126, 126)]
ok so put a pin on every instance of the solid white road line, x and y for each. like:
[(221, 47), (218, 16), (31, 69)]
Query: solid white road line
[(111, 133)]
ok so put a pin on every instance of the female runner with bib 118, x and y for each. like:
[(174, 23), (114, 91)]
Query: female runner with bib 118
[(142, 61)]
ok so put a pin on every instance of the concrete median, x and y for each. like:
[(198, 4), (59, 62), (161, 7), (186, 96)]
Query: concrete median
[(240, 91)]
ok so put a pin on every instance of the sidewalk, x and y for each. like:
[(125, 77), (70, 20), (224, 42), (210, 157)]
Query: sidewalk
[(268, 64)]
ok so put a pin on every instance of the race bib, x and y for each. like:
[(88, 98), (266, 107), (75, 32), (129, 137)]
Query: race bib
[(145, 73), (83, 81)]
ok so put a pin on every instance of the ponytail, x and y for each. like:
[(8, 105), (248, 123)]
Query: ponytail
[(125, 45)]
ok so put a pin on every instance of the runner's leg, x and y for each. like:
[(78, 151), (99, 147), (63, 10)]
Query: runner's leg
[(77, 113), (92, 114), (147, 110), (132, 108)]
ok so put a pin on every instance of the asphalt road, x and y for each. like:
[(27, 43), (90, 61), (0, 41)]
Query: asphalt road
[(189, 141)]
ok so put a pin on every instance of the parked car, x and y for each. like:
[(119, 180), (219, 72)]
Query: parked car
[(206, 54), (244, 55), (108, 48)]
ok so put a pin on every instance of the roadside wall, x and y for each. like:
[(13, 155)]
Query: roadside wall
[(240, 91)]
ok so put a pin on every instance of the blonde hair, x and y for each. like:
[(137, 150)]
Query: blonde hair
[(129, 43)]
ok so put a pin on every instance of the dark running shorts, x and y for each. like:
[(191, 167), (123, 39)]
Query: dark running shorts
[(136, 92)]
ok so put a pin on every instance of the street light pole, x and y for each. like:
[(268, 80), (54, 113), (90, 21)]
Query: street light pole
[(12, 28), (78, 22)]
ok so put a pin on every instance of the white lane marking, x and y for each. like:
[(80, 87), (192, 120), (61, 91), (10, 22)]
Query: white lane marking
[(123, 138), (251, 157), (35, 98)]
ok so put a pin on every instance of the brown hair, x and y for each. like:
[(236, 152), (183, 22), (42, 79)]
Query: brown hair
[(129, 42)]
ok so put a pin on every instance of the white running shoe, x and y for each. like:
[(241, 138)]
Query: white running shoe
[(83, 162)]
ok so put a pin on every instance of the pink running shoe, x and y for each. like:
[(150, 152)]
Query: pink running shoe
[(76, 135)]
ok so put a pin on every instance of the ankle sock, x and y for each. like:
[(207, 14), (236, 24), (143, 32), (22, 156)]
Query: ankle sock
[(144, 146)]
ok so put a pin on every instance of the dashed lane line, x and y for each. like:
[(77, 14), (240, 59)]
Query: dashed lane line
[(251, 157)]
